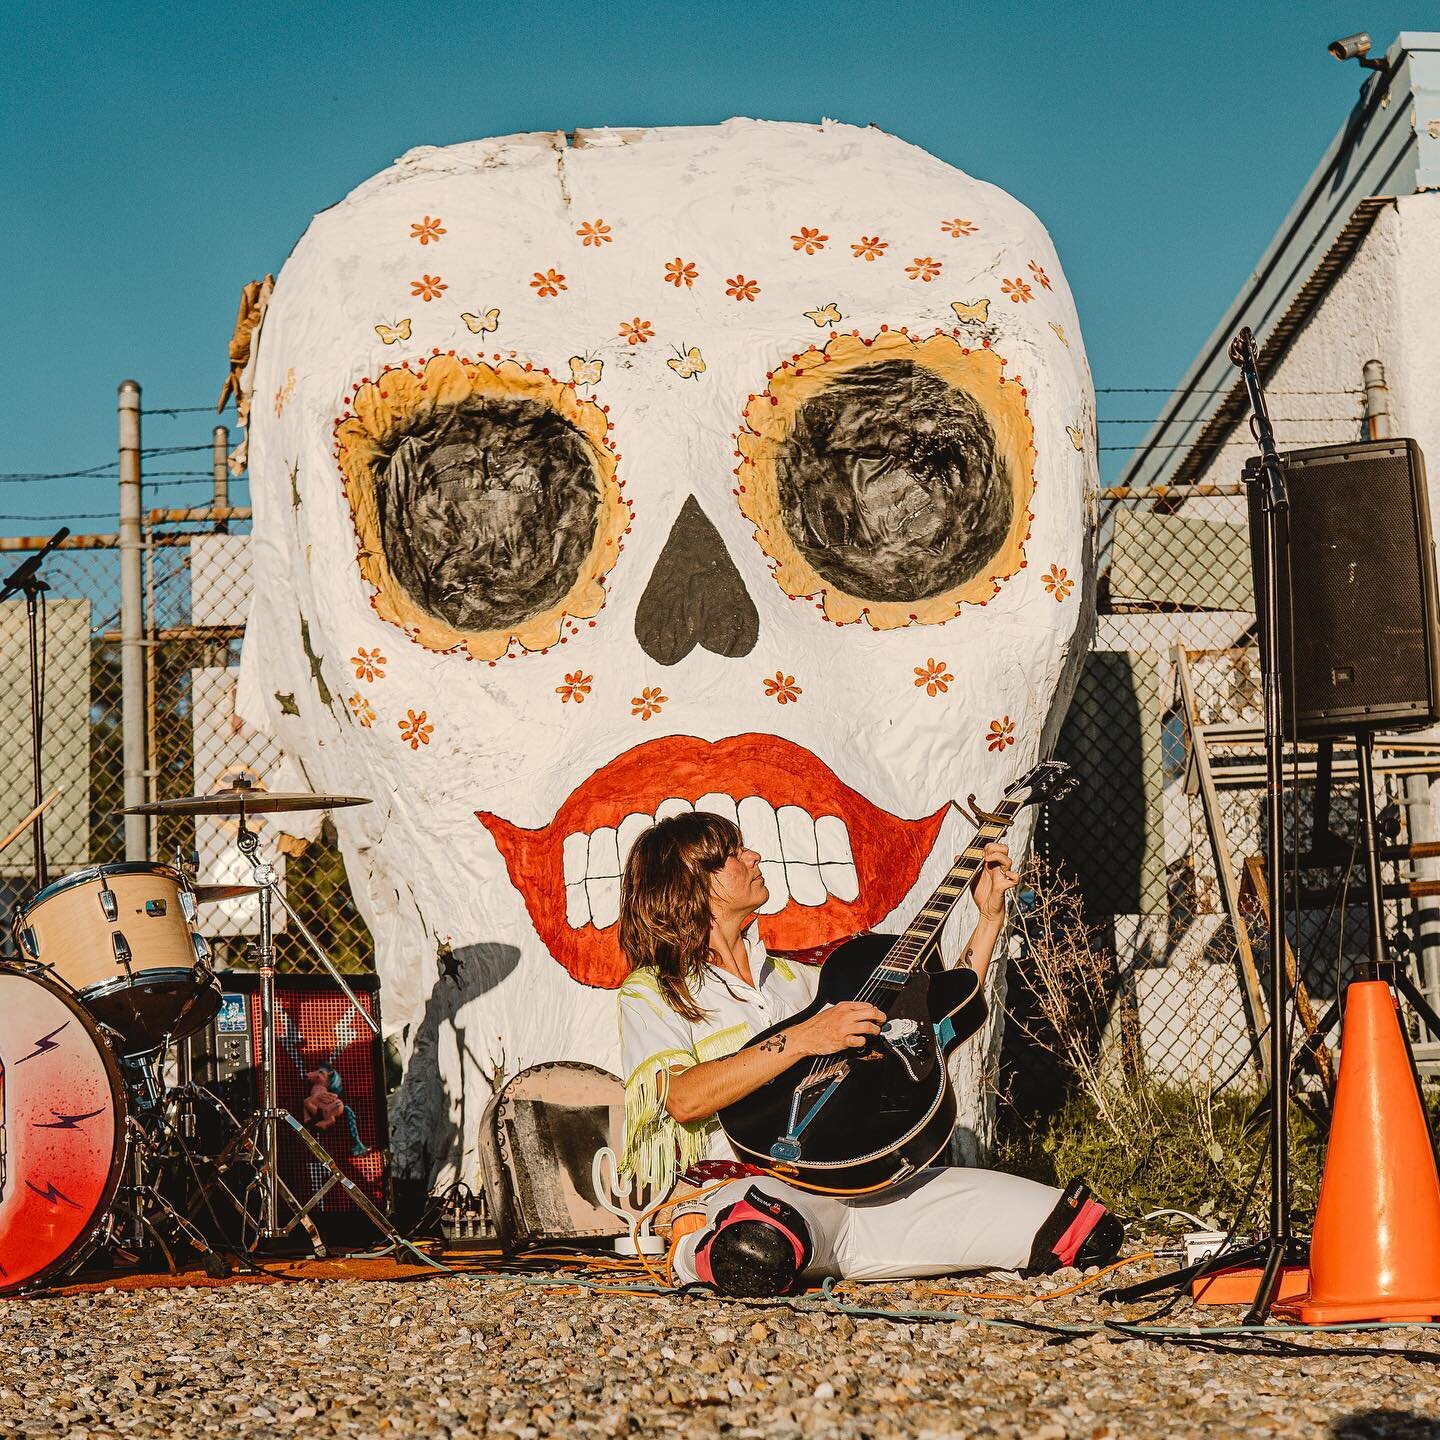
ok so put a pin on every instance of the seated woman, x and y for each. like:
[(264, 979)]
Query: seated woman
[(701, 985)]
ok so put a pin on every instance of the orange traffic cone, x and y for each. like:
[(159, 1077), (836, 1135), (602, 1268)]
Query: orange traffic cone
[(1375, 1253)]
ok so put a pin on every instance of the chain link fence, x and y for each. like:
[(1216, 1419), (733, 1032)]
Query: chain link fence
[(195, 586), (1162, 837), (1164, 734)]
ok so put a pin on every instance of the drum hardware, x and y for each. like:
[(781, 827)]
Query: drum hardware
[(257, 1145)]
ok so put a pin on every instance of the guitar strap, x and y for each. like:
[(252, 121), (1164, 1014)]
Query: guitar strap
[(908, 1034)]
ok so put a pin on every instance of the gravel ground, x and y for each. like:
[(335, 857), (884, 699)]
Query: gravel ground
[(495, 1355)]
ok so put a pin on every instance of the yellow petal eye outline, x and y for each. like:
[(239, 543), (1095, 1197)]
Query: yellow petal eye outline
[(825, 315), (481, 324), (687, 364), (973, 312), (402, 403), (393, 334), (1077, 437), (771, 421)]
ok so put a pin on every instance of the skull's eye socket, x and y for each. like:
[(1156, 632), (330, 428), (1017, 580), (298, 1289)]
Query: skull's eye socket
[(893, 476), (487, 511), (486, 503), (891, 484)]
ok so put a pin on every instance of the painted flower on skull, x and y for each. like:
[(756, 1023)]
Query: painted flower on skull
[(744, 534)]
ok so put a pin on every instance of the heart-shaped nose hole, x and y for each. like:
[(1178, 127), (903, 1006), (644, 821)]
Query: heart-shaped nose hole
[(695, 595)]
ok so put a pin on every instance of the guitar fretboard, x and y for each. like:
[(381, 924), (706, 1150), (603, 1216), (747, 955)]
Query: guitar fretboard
[(907, 952)]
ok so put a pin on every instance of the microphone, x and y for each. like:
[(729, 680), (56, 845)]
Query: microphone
[(24, 574)]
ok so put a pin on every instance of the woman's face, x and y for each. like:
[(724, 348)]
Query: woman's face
[(738, 885)]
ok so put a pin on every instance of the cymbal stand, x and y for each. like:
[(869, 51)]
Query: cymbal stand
[(258, 1141)]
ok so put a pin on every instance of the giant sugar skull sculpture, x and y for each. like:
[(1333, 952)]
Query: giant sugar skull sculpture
[(742, 468)]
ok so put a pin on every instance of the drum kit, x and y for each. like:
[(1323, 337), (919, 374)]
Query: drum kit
[(109, 971)]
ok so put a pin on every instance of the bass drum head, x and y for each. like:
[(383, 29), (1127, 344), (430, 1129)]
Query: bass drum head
[(62, 1131)]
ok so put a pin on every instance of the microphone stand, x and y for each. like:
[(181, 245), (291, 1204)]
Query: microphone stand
[(1274, 510), (1271, 1251), (26, 577)]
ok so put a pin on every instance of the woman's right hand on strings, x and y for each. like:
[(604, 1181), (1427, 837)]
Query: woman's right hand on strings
[(846, 1026)]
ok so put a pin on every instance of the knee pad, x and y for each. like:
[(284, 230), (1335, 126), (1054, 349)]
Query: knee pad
[(1079, 1231), (757, 1247)]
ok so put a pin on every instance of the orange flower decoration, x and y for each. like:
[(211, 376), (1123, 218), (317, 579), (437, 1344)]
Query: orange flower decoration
[(576, 687), (1040, 275), (427, 230), (924, 268), (647, 702), (680, 272), (548, 282), (809, 240), (783, 688), (934, 676), (1002, 733), (362, 709), (428, 287), (636, 331), (414, 731), (1019, 292), (369, 664), (596, 233), (869, 247), (741, 288), (1057, 582), (957, 228)]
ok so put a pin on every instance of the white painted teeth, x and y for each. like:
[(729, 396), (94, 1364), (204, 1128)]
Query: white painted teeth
[(803, 859)]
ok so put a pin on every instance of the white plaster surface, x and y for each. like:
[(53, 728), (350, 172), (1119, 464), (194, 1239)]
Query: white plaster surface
[(425, 872)]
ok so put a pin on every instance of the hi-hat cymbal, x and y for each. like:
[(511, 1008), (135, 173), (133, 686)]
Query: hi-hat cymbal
[(209, 894), (245, 799)]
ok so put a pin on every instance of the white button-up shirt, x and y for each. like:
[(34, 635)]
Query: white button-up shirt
[(655, 1041)]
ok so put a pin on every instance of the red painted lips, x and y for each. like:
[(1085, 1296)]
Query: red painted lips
[(888, 851)]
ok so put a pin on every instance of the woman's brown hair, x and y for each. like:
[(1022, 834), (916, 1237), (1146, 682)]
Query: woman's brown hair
[(665, 901)]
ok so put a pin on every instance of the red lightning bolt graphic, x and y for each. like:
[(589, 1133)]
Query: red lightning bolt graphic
[(51, 1194), (44, 1044)]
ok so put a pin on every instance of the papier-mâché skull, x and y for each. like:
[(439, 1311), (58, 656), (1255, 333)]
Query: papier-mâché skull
[(742, 468)]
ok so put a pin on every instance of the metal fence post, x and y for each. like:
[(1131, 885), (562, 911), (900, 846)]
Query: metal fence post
[(132, 622), (220, 437)]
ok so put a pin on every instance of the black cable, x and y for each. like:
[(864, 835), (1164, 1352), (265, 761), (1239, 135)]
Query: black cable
[(1172, 390)]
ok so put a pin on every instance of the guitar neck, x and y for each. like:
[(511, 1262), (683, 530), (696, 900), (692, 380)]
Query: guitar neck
[(924, 930)]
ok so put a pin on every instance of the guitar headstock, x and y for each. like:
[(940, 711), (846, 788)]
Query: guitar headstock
[(1049, 780)]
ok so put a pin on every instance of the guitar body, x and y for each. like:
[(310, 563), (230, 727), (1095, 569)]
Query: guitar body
[(879, 1123)]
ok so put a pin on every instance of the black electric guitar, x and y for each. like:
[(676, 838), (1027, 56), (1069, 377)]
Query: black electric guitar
[(863, 1120)]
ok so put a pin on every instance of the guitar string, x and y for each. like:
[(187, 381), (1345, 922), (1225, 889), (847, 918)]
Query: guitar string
[(823, 1067)]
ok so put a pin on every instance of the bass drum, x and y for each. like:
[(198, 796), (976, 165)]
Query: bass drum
[(62, 1131)]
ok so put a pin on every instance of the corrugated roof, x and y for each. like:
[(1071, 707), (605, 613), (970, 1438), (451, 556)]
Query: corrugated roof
[(1389, 146)]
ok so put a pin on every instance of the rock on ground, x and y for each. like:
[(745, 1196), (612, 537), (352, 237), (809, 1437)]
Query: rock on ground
[(503, 1355)]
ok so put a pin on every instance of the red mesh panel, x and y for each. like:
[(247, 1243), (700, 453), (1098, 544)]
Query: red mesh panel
[(315, 1028)]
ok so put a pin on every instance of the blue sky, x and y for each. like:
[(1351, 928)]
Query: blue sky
[(157, 157)]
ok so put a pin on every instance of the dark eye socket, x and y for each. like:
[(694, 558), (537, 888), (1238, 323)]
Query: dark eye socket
[(487, 510), (891, 484)]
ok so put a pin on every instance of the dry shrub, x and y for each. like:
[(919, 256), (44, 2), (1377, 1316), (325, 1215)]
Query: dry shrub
[(1143, 1145)]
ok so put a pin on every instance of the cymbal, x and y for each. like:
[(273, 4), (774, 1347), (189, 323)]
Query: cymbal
[(209, 894), (245, 799)]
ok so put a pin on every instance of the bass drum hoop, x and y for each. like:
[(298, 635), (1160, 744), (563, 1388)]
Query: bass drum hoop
[(80, 1250)]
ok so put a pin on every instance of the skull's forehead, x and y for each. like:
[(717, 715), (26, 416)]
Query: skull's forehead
[(731, 201)]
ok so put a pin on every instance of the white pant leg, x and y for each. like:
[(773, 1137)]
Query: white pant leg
[(825, 1217), (946, 1219)]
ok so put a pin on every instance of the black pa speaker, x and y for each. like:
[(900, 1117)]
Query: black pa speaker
[(1358, 624)]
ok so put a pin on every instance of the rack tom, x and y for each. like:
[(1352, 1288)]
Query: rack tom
[(123, 938)]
